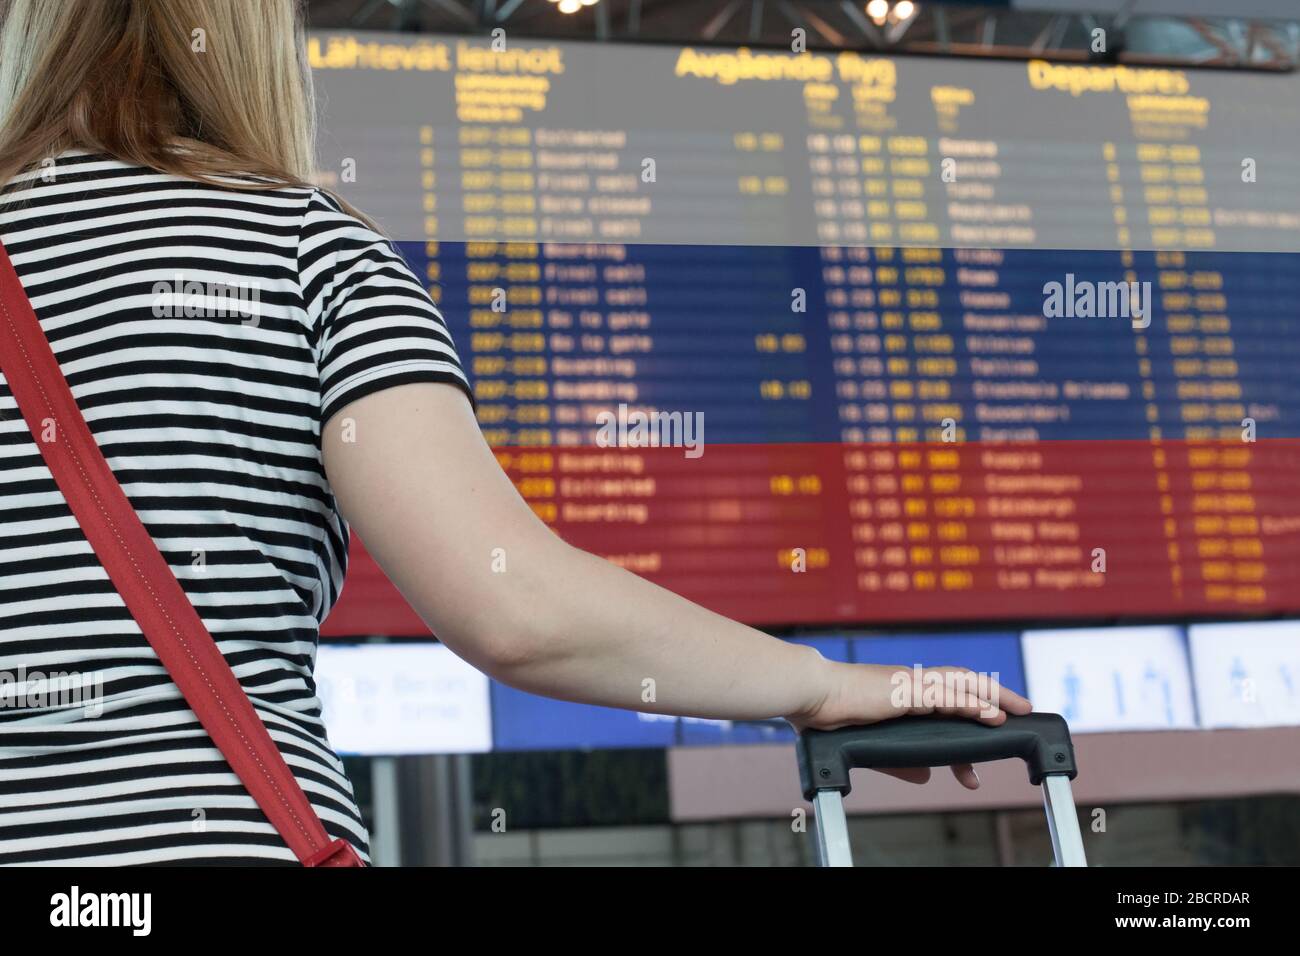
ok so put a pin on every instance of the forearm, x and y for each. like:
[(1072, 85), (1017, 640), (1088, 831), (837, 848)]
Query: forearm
[(601, 635), (425, 492)]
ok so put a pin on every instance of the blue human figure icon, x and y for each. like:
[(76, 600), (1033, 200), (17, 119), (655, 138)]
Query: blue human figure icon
[(1072, 687), (1152, 678), (1241, 682)]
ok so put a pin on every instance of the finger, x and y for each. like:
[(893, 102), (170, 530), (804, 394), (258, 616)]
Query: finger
[(994, 694), (909, 774), (961, 692), (954, 692), (966, 776), (1012, 702), (977, 709)]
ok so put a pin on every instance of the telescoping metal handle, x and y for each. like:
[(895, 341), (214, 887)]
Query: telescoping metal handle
[(1041, 740)]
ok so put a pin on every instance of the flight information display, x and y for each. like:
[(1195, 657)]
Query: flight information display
[(820, 339)]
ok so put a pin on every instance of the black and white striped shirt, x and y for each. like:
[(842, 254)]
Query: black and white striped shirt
[(210, 417)]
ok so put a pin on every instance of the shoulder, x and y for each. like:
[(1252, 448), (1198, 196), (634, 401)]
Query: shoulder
[(331, 239), (324, 217)]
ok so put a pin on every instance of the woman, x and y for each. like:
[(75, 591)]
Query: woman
[(149, 145)]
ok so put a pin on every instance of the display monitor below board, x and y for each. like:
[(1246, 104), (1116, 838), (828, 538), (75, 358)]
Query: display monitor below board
[(1247, 674), (418, 698), (393, 699)]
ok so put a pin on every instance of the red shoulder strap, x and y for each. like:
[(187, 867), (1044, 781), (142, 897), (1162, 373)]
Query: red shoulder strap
[(147, 583)]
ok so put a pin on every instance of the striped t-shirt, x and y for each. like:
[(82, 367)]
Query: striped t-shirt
[(208, 334)]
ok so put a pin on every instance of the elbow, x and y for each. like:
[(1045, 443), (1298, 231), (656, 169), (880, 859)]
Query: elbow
[(517, 633), (513, 624), (508, 653)]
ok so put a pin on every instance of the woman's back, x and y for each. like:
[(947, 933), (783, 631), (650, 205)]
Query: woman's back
[(207, 334)]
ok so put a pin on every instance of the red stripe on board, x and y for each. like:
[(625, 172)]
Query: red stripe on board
[(917, 533)]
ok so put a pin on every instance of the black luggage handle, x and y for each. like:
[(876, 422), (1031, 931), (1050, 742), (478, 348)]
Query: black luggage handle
[(1042, 741)]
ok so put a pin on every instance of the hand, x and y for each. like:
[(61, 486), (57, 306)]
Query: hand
[(869, 693)]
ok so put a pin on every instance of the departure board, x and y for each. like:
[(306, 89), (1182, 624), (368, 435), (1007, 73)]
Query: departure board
[(840, 338)]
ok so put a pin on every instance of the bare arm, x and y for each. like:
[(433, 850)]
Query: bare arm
[(425, 493)]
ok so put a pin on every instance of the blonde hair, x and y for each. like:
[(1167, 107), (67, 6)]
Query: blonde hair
[(204, 89)]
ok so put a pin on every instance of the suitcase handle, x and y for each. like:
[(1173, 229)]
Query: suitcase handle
[(1042, 741)]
